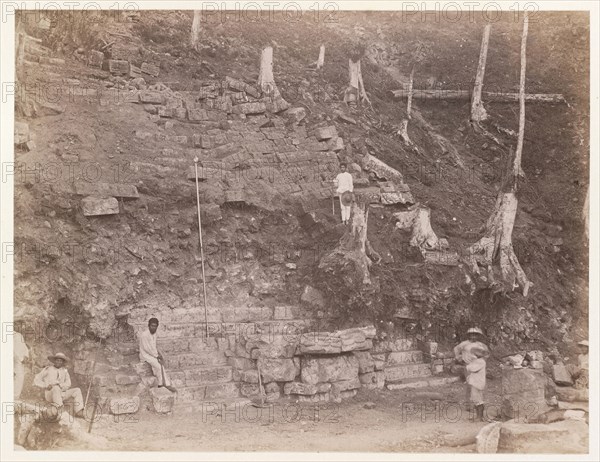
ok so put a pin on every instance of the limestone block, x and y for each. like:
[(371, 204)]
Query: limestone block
[(277, 369), (151, 97), (316, 369), (94, 206), (326, 133), (319, 343), (118, 67), (150, 69), (124, 405), (95, 59), (365, 361), (561, 375), (162, 400)]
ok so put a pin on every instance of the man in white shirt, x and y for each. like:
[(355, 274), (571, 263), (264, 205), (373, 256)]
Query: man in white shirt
[(473, 354), (149, 353), (56, 383), (343, 183), (20, 354)]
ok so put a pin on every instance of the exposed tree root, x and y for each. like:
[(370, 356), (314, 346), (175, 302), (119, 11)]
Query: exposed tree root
[(496, 247), (353, 256)]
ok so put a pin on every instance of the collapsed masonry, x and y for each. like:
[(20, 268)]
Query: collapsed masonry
[(257, 150), (294, 362)]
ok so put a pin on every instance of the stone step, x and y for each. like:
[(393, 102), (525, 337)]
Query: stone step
[(201, 376), (213, 392), (197, 330), (175, 346), (401, 344), (202, 359), (422, 382), (396, 358), (406, 371), (153, 169)]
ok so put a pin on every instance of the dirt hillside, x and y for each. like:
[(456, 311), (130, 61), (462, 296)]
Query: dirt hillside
[(87, 271)]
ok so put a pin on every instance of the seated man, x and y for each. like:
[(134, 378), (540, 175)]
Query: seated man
[(150, 354), (580, 371), (56, 382)]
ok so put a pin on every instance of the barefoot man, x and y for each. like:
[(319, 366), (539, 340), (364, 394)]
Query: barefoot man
[(150, 354)]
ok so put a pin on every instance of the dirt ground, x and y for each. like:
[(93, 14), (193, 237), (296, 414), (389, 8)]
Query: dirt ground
[(402, 421)]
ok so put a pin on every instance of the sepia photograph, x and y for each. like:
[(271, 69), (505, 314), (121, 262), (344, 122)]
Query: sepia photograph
[(317, 230)]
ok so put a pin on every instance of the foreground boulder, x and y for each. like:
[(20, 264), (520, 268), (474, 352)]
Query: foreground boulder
[(523, 393), (162, 400), (564, 437), (124, 405)]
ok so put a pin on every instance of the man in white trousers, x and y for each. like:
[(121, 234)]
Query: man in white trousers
[(343, 183), (150, 354)]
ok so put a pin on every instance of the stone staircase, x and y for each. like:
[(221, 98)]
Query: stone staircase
[(202, 371), (406, 365)]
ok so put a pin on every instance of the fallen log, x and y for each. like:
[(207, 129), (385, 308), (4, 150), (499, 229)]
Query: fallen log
[(488, 96)]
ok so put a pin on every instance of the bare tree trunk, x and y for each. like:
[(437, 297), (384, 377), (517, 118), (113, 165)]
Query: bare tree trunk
[(496, 246), (478, 112), (403, 132), (410, 93), (418, 222), (351, 259), (20, 49), (266, 82), (356, 89), (517, 170), (196, 29), (321, 60), (586, 213)]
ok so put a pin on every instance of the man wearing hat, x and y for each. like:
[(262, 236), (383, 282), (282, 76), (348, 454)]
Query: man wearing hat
[(473, 354), (344, 187), (56, 383), (150, 354)]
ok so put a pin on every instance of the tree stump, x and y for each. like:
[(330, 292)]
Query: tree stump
[(495, 247)]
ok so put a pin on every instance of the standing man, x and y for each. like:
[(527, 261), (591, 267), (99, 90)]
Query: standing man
[(20, 355), (150, 354), (56, 382), (473, 354), (344, 187)]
